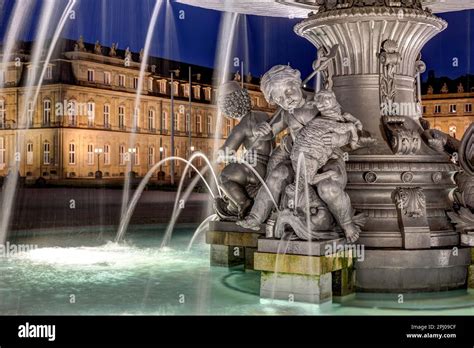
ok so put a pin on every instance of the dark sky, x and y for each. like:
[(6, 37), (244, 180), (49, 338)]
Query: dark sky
[(190, 35)]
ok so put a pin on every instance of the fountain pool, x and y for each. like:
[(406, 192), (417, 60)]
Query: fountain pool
[(82, 272)]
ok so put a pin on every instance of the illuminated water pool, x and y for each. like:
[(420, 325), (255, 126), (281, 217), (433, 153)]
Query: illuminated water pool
[(82, 272)]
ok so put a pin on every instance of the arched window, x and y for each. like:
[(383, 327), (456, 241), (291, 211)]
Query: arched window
[(209, 124), (3, 113), (30, 113), (46, 153), (121, 117), (46, 112), (228, 126), (198, 124), (91, 113), (2, 151), (136, 156), (72, 112), (90, 154), (106, 116), (122, 155), (151, 120), (164, 119), (176, 121), (29, 154), (106, 154), (136, 118), (151, 155), (452, 131)]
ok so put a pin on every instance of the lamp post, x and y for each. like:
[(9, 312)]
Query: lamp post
[(172, 72), (161, 158), (98, 151)]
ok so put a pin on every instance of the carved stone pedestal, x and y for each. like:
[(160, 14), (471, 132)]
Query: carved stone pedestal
[(232, 245), (303, 271)]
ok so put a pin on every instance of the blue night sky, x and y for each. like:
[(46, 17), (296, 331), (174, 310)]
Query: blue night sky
[(262, 41)]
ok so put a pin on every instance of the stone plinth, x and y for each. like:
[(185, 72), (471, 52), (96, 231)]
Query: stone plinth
[(232, 245), (305, 272), (470, 281), (402, 271)]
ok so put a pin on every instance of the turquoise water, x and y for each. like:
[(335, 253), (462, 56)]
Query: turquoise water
[(80, 272)]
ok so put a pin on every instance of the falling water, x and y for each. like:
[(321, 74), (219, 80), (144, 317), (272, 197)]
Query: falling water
[(202, 227), (10, 184), (143, 65), (125, 220), (174, 217)]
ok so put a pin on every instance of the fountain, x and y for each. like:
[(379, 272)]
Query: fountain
[(399, 179)]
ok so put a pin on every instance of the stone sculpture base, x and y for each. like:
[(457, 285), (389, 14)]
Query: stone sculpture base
[(305, 273), (232, 245), (400, 271)]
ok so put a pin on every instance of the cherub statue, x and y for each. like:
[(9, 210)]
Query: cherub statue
[(238, 182), (113, 50), (324, 160), (281, 85), (97, 48)]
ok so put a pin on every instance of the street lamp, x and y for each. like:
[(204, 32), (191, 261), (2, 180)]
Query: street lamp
[(172, 73), (161, 165), (98, 151)]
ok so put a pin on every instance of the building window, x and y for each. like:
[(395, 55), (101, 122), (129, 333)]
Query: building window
[(452, 131), (3, 114), (151, 119), (29, 154), (46, 112), (72, 153), (207, 93), (107, 78), (424, 110), (150, 84), (91, 113), (106, 154), (135, 82), (121, 117), (187, 123), (136, 118), (452, 108), (49, 73), (107, 116), (228, 126), (72, 113), (164, 117), (197, 92), (198, 124), (46, 153), (163, 86), (90, 154), (151, 156), (136, 156), (209, 124), (176, 88), (122, 155), (437, 109), (2, 151), (90, 75), (30, 113), (186, 90), (122, 80), (468, 108), (176, 121)]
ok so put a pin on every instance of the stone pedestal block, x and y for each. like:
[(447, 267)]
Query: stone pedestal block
[(226, 256), (295, 287), (231, 245), (304, 271), (470, 281)]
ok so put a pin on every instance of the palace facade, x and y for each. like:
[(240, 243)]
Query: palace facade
[(84, 118), (449, 107)]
